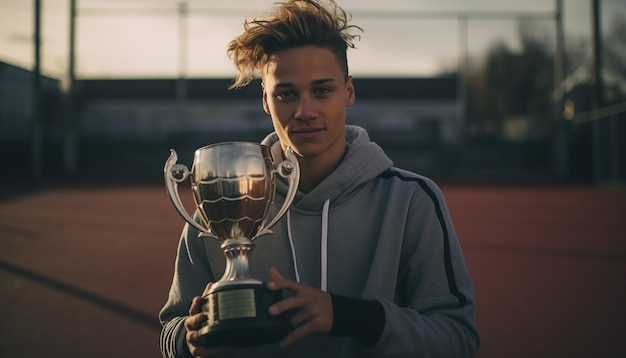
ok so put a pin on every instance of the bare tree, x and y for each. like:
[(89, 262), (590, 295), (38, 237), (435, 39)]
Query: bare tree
[(520, 83)]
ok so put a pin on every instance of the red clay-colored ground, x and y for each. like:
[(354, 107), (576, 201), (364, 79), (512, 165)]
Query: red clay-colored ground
[(84, 269)]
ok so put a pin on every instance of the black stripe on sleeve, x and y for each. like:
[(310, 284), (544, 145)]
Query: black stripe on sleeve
[(446, 238)]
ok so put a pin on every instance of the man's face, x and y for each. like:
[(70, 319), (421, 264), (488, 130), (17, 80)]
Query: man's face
[(305, 92)]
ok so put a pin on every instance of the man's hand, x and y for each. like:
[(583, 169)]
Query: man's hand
[(193, 323), (312, 308)]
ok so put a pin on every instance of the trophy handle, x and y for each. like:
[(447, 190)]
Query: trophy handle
[(290, 170), (174, 174)]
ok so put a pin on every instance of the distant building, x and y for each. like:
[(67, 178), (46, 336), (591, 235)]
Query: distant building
[(409, 112), (17, 101)]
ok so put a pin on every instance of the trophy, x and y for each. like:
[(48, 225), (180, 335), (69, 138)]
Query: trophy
[(233, 186)]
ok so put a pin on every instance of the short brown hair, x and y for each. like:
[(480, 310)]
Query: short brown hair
[(295, 23)]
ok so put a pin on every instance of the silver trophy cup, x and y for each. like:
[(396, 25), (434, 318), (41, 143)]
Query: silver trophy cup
[(233, 186)]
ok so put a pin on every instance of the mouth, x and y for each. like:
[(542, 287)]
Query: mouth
[(307, 130)]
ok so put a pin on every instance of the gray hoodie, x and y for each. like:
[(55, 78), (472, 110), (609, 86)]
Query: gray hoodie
[(368, 233)]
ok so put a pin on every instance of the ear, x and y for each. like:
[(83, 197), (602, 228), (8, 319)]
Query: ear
[(350, 92), (266, 107)]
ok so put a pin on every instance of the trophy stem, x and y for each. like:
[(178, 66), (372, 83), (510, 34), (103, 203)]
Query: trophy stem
[(237, 252), (236, 305)]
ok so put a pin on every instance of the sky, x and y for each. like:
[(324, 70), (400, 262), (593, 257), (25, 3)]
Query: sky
[(145, 38)]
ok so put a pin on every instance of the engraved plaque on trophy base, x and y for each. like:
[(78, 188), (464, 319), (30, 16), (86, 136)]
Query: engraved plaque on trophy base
[(237, 316)]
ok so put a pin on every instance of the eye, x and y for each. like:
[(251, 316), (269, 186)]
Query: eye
[(322, 91), (285, 95)]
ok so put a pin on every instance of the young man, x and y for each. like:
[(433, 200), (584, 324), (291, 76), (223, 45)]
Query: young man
[(367, 253)]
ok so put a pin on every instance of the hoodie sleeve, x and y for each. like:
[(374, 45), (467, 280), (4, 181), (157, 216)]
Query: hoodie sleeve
[(433, 312), (191, 274)]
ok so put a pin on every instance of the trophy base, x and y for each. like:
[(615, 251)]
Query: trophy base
[(237, 316)]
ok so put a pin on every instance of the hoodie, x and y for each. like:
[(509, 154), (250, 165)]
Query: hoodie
[(379, 239)]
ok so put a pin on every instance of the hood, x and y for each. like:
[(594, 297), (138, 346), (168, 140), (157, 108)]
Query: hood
[(363, 161)]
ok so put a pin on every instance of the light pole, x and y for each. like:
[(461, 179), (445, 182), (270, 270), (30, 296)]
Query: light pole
[(181, 85), (69, 145), (37, 126)]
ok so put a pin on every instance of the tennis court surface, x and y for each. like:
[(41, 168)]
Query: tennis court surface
[(85, 267)]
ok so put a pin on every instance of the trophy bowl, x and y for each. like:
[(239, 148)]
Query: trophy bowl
[(233, 186)]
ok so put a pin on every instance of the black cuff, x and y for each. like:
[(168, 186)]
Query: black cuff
[(359, 319)]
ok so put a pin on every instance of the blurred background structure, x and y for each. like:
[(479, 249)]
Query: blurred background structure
[(450, 88)]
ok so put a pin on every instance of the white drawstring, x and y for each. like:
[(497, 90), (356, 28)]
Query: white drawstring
[(324, 253), (293, 248), (324, 247)]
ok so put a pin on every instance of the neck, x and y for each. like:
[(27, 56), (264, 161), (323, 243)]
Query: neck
[(314, 170), (311, 174)]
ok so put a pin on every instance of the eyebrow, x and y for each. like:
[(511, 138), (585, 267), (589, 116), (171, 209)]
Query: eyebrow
[(314, 82)]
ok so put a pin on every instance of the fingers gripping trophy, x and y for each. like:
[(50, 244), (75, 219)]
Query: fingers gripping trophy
[(233, 186)]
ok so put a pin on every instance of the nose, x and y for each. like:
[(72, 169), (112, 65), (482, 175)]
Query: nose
[(306, 109)]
